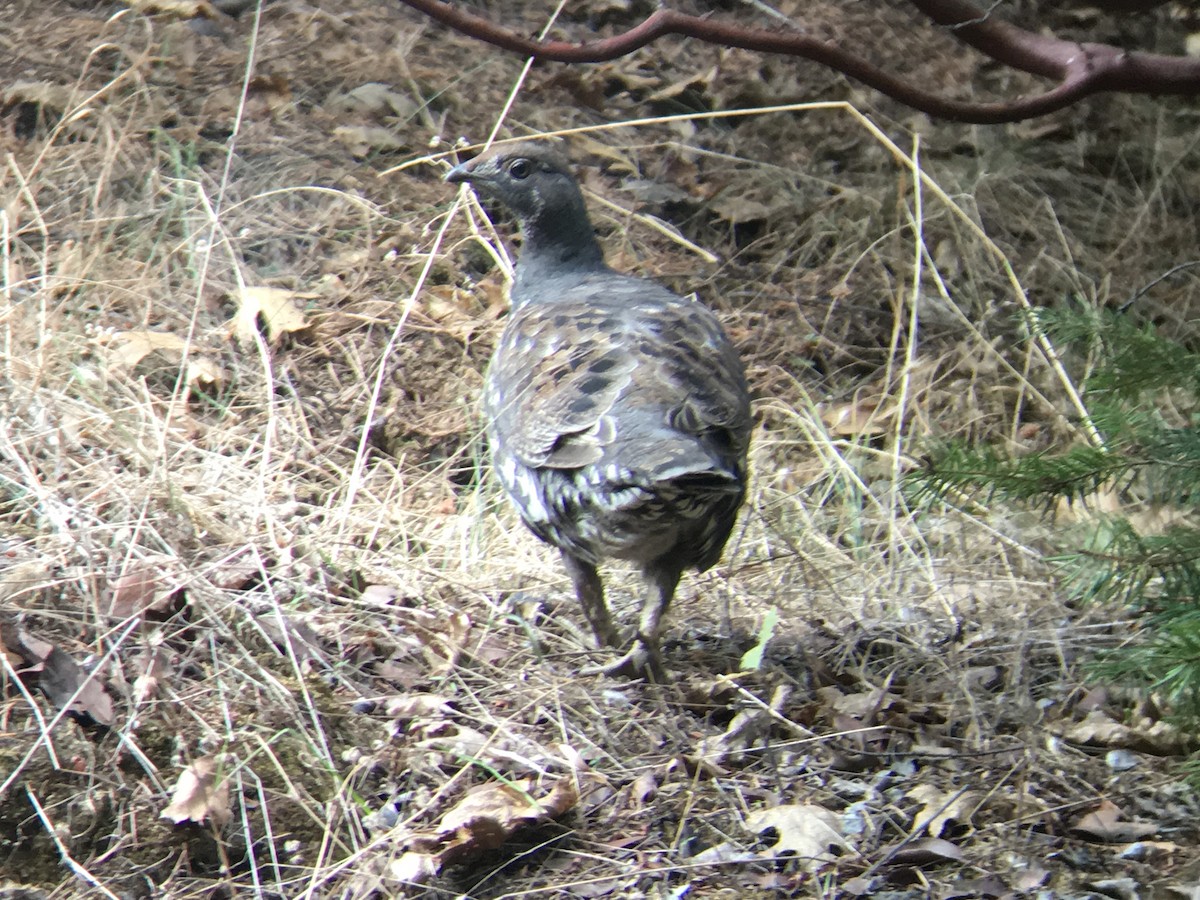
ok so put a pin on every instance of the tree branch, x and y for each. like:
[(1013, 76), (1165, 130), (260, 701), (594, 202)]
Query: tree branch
[(1079, 69)]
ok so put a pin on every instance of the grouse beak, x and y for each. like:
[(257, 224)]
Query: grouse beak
[(460, 174)]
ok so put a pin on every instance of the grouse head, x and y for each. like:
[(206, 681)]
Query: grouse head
[(534, 181), (530, 178)]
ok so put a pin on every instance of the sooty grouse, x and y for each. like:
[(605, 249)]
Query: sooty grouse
[(617, 412)]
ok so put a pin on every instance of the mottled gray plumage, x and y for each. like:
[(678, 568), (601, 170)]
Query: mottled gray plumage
[(617, 411)]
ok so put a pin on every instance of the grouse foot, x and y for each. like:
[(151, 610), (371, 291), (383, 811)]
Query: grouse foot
[(640, 662)]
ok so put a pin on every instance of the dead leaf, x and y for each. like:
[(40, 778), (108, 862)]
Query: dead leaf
[(940, 808), (864, 706), (272, 91), (697, 83), (746, 730), (275, 306), (295, 637), (926, 852), (381, 595), (457, 740), (644, 788), (1151, 851), (1145, 736), (150, 584), (60, 678), (1096, 698), (442, 638), (373, 98), (617, 160), (198, 795), (1120, 888), (723, 854), (805, 830), (9, 643), (457, 311), (362, 140), (130, 348), (511, 805), (1105, 824), (483, 820), (72, 261), (419, 706), (155, 667), (1028, 880), (739, 208), (858, 886), (863, 416), (235, 575), (49, 96)]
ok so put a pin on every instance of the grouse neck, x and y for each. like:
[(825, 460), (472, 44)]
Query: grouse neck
[(555, 247)]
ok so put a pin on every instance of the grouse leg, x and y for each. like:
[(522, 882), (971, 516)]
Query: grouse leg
[(590, 592), (643, 659)]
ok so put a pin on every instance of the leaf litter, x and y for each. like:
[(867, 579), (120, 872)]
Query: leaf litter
[(334, 619)]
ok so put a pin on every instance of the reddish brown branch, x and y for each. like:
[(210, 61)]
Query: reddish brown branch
[(1079, 69)]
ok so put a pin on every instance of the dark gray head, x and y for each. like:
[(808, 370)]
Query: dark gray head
[(534, 181), (529, 178)]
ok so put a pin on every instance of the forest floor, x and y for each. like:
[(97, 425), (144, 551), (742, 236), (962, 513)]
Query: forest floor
[(268, 627)]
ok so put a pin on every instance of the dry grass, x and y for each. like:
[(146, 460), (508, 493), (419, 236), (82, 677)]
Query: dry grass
[(331, 544)]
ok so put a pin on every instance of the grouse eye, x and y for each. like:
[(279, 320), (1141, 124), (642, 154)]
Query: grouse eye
[(520, 169)]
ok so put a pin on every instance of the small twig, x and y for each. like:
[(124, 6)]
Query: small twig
[(1138, 294)]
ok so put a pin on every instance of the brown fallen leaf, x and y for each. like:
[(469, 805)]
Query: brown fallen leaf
[(149, 584), (442, 638), (1145, 736), (615, 159), (861, 416), (859, 886), (483, 820), (235, 575), (644, 788), (154, 667), (272, 92), (1105, 824), (862, 705), (804, 830), (940, 808), (199, 795), (130, 348), (294, 637), (60, 678), (44, 93), (926, 852), (747, 729), (375, 98), (381, 595), (362, 140), (419, 706), (275, 306)]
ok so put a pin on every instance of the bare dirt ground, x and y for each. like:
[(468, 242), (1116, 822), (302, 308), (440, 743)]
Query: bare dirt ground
[(270, 630)]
